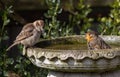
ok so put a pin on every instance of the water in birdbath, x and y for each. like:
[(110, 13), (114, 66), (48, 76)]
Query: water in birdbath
[(71, 46), (68, 46), (69, 43)]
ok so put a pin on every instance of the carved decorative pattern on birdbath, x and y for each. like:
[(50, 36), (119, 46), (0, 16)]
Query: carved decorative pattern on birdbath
[(76, 60)]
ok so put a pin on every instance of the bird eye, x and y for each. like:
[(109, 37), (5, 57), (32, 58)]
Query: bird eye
[(37, 23), (91, 35)]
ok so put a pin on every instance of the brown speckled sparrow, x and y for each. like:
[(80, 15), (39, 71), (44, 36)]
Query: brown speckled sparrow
[(95, 42), (29, 34)]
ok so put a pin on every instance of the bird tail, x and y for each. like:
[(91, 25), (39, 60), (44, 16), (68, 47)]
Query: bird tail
[(11, 46)]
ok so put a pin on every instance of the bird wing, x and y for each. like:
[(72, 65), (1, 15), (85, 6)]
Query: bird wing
[(26, 32), (89, 46), (95, 44), (103, 44)]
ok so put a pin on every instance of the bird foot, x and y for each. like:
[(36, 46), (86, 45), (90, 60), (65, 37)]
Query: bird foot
[(24, 51)]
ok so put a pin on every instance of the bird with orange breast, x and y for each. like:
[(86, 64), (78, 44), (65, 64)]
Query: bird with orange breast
[(95, 42), (29, 35)]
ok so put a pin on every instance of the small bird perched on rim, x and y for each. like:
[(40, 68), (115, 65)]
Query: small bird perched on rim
[(95, 42), (29, 35)]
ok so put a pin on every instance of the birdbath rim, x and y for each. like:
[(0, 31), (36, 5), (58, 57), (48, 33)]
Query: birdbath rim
[(76, 60)]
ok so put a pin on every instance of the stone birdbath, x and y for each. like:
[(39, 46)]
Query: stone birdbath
[(69, 57)]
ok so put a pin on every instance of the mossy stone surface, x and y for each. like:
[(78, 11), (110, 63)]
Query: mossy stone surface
[(58, 54)]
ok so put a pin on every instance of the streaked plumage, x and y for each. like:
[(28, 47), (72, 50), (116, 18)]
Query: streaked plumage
[(95, 42), (29, 34)]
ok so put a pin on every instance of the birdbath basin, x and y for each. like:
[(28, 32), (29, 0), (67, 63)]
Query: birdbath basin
[(69, 57)]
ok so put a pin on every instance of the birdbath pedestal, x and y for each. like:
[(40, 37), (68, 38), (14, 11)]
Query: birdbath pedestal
[(69, 57)]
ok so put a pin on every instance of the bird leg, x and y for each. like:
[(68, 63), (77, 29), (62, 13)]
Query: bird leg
[(24, 50)]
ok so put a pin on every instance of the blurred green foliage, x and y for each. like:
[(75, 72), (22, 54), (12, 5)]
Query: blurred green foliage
[(54, 28), (4, 14), (4, 60), (111, 25), (80, 17), (19, 65)]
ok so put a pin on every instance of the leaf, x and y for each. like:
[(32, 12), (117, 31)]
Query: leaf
[(60, 11), (5, 73), (9, 61), (6, 22), (103, 19), (5, 38), (17, 66)]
